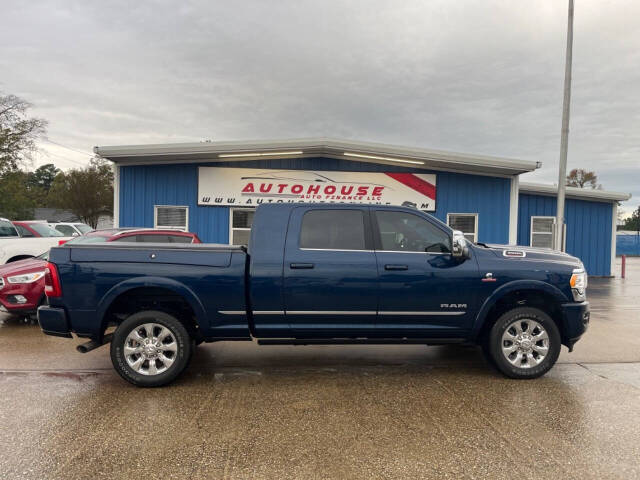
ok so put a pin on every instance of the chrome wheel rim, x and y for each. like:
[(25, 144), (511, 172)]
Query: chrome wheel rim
[(525, 343), (150, 349)]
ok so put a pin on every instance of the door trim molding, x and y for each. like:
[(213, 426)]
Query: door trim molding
[(421, 313), (331, 312), (334, 312)]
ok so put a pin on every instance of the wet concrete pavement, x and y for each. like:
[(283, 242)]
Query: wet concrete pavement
[(244, 411)]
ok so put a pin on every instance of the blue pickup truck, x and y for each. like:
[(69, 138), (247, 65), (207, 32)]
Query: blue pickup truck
[(318, 274)]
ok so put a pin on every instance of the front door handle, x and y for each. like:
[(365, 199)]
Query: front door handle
[(301, 265), (396, 267)]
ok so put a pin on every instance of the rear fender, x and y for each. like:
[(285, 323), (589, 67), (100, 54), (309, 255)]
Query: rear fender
[(521, 285), (158, 282)]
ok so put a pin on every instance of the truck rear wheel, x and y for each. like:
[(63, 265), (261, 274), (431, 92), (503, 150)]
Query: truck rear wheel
[(151, 348), (524, 343)]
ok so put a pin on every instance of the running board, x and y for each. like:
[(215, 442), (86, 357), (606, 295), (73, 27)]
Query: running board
[(361, 341)]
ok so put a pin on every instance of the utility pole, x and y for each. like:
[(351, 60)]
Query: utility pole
[(562, 173)]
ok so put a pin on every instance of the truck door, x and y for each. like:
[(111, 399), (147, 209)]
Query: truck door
[(424, 290), (330, 272)]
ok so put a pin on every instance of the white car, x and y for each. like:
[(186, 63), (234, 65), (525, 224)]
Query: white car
[(13, 247), (71, 229)]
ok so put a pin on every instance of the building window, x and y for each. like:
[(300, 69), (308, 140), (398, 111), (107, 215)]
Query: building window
[(171, 216), (543, 232), (240, 225), (467, 223)]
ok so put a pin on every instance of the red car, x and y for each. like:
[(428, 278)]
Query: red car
[(22, 282), (35, 228), (136, 235)]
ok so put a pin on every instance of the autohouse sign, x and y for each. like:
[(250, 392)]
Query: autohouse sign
[(251, 187)]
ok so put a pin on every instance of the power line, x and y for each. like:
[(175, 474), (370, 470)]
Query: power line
[(68, 148), (65, 158)]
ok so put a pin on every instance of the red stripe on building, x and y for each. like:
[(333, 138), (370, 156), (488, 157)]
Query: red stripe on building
[(416, 183)]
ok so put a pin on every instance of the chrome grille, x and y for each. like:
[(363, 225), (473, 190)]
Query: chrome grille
[(1, 283)]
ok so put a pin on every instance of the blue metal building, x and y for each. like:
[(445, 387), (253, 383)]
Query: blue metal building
[(628, 243), (191, 186)]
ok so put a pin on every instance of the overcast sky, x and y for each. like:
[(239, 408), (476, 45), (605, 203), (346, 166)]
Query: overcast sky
[(479, 77)]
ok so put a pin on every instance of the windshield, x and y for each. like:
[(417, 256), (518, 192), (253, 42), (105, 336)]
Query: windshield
[(83, 228), (7, 229), (84, 239), (45, 230)]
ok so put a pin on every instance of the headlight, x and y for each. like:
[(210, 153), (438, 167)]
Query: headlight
[(578, 284), (26, 278)]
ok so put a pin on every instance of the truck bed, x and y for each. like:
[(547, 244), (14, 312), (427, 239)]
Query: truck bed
[(210, 277)]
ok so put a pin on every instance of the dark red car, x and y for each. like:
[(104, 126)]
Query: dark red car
[(22, 282), (147, 235)]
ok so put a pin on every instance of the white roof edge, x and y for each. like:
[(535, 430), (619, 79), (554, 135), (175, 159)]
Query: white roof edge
[(585, 193), (316, 145)]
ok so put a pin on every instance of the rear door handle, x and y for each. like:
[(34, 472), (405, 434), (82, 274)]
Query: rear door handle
[(396, 267), (301, 265)]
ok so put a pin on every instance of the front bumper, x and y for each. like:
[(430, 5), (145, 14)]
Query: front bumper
[(575, 318), (21, 297), (53, 321)]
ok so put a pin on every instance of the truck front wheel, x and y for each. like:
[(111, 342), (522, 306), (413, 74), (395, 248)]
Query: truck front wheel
[(150, 348), (524, 343)]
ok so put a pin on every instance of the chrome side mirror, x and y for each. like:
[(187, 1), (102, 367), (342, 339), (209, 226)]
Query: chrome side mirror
[(459, 247)]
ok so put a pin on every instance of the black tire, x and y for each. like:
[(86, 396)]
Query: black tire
[(495, 343), (182, 355)]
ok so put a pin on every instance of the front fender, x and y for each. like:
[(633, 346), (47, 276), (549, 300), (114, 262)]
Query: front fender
[(521, 285), (160, 282)]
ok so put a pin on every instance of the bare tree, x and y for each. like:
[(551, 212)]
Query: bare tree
[(581, 178), (18, 132)]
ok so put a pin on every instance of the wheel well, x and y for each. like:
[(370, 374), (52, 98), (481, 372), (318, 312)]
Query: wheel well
[(151, 298), (19, 257), (521, 298)]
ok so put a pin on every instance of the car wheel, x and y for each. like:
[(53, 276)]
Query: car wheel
[(151, 348), (524, 343)]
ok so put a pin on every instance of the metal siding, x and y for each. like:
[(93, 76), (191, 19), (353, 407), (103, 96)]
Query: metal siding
[(142, 187), (628, 245), (588, 228)]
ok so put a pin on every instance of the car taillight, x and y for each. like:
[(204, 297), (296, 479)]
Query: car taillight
[(52, 281), (62, 242)]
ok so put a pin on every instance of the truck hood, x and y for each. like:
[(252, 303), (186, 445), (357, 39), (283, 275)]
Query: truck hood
[(533, 253)]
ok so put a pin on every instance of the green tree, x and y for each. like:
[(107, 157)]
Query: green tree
[(633, 222), (43, 176), (87, 192), (17, 201), (18, 133), (39, 183), (581, 178)]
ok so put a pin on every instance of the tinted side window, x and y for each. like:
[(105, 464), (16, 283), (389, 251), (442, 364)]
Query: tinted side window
[(406, 232), (179, 239), (126, 238), (24, 232), (153, 238), (66, 230), (333, 229), (7, 229)]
